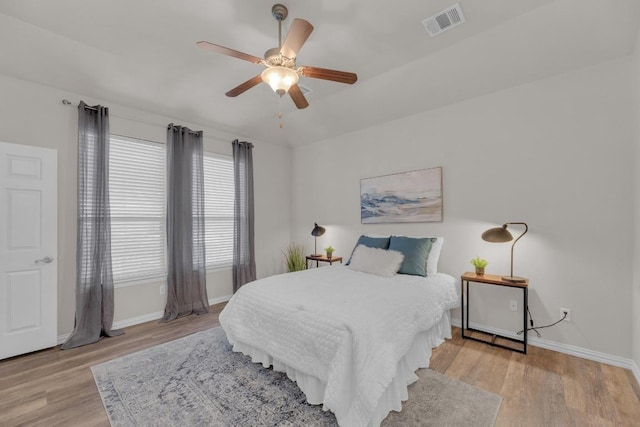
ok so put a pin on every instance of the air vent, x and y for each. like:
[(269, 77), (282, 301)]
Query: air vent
[(304, 89), (445, 20)]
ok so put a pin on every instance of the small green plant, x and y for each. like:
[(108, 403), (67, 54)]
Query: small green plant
[(294, 257), (329, 250), (479, 262)]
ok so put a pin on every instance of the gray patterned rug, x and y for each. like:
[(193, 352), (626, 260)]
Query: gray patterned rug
[(198, 381)]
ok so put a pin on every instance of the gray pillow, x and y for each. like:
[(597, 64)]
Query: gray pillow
[(415, 250)]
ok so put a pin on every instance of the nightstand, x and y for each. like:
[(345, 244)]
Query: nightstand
[(322, 258), (491, 279)]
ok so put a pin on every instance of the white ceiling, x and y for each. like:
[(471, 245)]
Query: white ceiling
[(142, 54)]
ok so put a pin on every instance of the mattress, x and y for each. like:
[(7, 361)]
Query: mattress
[(352, 341)]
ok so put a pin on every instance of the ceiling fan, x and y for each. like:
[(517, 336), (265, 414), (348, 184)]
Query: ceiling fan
[(281, 72)]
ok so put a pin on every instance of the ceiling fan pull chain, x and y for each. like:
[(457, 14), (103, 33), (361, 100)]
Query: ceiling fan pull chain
[(280, 111)]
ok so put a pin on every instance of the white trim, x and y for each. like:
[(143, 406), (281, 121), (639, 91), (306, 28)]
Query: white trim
[(572, 350), (219, 268), (137, 320), (141, 281), (635, 370), (218, 300), (146, 318), (162, 279), (63, 338)]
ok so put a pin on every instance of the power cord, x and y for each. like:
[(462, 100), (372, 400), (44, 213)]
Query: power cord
[(535, 329)]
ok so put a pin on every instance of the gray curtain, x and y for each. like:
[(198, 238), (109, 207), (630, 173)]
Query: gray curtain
[(94, 280), (244, 263), (186, 262)]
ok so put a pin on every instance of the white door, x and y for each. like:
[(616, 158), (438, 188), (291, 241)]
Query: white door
[(28, 243)]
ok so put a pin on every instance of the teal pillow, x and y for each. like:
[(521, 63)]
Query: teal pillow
[(371, 242), (415, 250)]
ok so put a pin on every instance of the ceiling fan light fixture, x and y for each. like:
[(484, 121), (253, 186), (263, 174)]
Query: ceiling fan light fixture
[(280, 78), (281, 72)]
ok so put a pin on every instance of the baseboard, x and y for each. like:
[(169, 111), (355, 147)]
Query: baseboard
[(146, 318), (635, 370), (63, 338), (218, 300), (125, 323), (572, 350)]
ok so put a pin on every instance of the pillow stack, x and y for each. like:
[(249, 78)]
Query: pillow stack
[(371, 242), (379, 255)]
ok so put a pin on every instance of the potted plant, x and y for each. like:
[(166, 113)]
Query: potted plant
[(479, 264), (329, 251), (294, 257)]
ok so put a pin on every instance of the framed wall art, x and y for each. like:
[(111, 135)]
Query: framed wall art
[(414, 196)]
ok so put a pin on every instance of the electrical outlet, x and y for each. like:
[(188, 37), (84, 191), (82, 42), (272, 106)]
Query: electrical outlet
[(568, 311), (513, 305), (163, 290)]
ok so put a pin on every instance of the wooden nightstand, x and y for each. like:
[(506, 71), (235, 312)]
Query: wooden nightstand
[(491, 279), (322, 258)]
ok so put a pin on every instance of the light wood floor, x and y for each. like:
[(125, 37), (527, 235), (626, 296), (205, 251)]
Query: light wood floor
[(544, 388)]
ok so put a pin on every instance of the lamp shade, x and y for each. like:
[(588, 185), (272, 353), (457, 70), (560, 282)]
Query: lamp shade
[(501, 235), (497, 235), (317, 230), (280, 78)]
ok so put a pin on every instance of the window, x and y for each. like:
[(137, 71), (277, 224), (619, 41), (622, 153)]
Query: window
[(137, 188), (137, 175), (218, 209)]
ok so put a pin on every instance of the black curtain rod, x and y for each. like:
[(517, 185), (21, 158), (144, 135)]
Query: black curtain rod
[(176, 128), (195, 132), (88, 107)]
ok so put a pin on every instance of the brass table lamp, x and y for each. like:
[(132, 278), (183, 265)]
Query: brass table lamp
[(501, 235), (317, 231)]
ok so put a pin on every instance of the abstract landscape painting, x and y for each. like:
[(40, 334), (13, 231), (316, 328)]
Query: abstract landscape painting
[(414, 196)]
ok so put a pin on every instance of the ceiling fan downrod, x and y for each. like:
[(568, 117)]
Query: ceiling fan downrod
[(280, 13)]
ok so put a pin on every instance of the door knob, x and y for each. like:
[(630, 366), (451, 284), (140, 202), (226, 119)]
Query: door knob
[(45, 260)]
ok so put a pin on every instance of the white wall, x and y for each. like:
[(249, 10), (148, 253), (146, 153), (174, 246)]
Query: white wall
[(635, 298), (555, 153), (33, 114)]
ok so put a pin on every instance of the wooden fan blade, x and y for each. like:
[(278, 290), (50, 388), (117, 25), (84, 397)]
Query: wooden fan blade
[(229, 52), (298, 34), (298, 98), (326, 74), (245, 86)]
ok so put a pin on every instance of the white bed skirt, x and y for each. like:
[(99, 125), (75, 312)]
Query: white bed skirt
[(417, 357)]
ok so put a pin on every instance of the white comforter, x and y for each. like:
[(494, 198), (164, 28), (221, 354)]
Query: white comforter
[(346, 328)]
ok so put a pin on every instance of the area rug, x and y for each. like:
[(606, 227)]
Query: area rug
[(199, 381)]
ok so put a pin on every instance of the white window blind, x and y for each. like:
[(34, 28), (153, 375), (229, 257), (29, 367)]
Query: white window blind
[(137, 191), (218, 209)]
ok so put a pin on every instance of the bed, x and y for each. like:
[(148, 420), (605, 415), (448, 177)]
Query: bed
[(351, 340)]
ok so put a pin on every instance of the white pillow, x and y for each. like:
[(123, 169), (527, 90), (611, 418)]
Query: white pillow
[(434, 255), (380, 262)]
